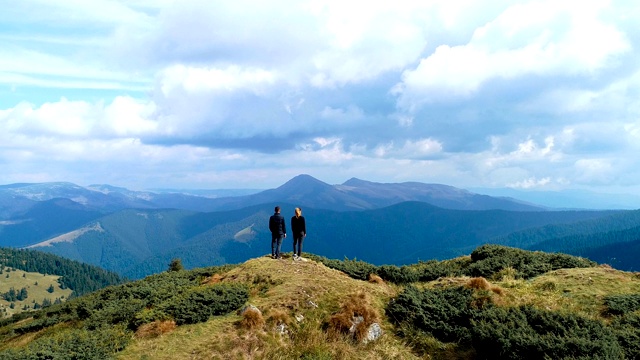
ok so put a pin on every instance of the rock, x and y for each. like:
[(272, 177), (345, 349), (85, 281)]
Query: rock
[(249, 307), (373, 333), (281, 329), (355, 322), (299, 317)]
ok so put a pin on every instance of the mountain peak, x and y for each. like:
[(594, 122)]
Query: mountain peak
[(356, 182), (304, 184)]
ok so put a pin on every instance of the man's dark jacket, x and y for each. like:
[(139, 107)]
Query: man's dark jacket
[(277, 225)]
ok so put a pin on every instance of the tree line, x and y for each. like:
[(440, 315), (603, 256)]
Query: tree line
[(80, 277)]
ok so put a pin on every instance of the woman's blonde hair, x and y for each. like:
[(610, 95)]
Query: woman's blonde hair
[(298, 212)]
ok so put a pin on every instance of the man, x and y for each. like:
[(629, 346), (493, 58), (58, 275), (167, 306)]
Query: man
[(278, 230)]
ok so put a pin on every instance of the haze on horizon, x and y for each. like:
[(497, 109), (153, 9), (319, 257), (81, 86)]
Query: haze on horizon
[(539, 95)]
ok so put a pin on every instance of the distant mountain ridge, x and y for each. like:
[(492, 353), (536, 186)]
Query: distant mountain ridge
[(305, 190), (137, 233)]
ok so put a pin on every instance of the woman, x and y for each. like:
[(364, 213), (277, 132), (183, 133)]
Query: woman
[(299, 230)]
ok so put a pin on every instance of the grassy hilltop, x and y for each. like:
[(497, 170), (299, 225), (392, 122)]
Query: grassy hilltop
[(498, 303)]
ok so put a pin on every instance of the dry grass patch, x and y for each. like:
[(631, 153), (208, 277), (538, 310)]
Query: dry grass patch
[(355, 316), (278, 316), (213, 279), (478, 283), (155, 329), (251, 320), (375, 279)]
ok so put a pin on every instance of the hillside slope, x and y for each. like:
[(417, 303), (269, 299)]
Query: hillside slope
[(527, 304)]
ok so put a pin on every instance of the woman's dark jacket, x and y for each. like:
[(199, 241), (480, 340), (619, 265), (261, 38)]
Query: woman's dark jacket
[(298, 226)]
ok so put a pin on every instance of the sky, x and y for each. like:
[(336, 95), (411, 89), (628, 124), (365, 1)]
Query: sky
[(532, 95)]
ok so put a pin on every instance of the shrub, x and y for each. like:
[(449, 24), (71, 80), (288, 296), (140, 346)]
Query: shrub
[(622, 304), (526, 332), (354, 268), (398, 275), (201, 303), (627, 330), (445, 313), (433, 270), (471, 320), (78, 344), (149, 315), (488, 260), (116, 312)]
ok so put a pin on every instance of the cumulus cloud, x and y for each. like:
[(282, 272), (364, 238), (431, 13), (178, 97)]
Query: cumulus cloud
[(543, 38), (469, 93)]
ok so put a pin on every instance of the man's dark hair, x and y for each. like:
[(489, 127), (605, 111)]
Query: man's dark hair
[(277, 209)]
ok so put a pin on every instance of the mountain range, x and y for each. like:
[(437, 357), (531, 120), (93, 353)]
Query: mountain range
[(137, 233)]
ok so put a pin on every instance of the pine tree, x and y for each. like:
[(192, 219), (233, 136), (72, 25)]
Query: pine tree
[(175, 265), (23, 294)]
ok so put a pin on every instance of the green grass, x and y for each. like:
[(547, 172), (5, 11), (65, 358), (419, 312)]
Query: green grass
[(287, 290), (280, 288), (19, 279)]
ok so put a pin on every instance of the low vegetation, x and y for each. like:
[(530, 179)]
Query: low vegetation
[(497, 303)]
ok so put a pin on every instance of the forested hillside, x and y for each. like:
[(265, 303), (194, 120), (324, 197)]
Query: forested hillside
[(497, 303), (611, 239), (136, 243), (79, 277)]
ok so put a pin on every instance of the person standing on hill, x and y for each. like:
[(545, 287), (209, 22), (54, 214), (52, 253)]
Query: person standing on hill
[(278, 230), (299, 231)]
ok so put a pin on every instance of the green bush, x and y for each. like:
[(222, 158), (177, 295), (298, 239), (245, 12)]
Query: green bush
[(398, 275), (77, 344), (464, 317), (622, 304), (433, 270), (201, 303), (149, 315), (526, 332), (445, 313), (354, 268), (488, 260), (627, 329), (116, 312)]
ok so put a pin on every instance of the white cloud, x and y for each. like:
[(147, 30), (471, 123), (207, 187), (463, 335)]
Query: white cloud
[(67, 119), (202, 80), (594, 170), (543, 38), (530, 183), (464, 92), (411, 149)]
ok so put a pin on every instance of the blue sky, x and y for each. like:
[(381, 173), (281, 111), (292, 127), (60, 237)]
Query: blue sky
[(540, 95)]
